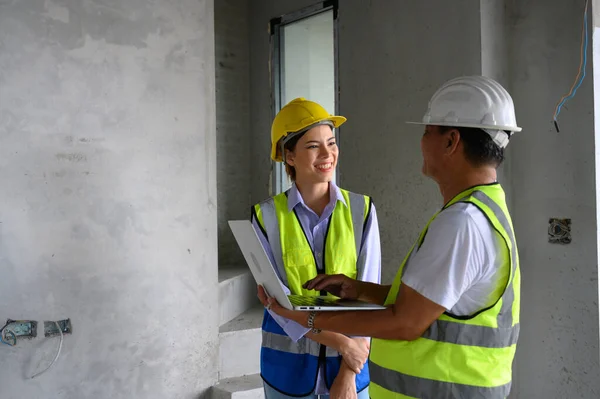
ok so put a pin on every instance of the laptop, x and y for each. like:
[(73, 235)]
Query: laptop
[(265, 275)]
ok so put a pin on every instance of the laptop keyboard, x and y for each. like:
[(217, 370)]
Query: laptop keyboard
[(312, 301)]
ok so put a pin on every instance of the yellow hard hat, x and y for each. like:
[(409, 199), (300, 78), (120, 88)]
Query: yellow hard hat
[(296, 116)]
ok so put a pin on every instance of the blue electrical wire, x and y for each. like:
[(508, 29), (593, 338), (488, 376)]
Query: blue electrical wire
[(14, 337), (582, 68)]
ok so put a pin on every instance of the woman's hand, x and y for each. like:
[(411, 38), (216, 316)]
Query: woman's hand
[(274, 306), (355, 353)]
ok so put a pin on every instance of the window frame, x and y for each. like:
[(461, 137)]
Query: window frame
[(278, 176)]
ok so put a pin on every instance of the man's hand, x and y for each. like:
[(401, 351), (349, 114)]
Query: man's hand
[(347, 288), (355, 353), (336, 284), (344, 385)]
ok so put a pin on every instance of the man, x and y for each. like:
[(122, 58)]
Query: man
[(452, 320)]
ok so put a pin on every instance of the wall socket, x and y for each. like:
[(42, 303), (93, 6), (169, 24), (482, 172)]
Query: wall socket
[(50, 329), (21, 328)]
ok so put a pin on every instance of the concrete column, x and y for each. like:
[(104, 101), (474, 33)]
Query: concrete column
[(108, 199)]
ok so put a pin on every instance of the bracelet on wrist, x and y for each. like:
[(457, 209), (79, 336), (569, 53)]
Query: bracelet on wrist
[(311, 322)]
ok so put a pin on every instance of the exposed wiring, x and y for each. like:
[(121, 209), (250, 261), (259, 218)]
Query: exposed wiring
[(2, 335), (5, 341), (57, 353), (582, 66), (4, 326)]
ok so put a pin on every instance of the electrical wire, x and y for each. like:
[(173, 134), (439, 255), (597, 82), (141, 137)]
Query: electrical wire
[(582, 66), (14, 338), (57, 353), (2, 334)]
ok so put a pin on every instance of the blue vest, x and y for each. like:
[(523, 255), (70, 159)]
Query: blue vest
[(292, 367)]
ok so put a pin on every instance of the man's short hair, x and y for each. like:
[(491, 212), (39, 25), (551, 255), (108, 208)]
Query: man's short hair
[(480, 149)]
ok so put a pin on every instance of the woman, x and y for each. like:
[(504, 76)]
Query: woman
[(314, 227)]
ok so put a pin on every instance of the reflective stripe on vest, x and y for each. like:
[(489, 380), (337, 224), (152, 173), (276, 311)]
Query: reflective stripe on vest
[(415, 387), (451, 357), (304, 345)]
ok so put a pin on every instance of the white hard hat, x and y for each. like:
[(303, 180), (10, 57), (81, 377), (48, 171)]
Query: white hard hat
[(473, 101)]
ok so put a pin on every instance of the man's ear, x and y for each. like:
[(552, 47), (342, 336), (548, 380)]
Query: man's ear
[(453, 140)]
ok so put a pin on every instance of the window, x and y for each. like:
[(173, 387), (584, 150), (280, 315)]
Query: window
[(304, 64)]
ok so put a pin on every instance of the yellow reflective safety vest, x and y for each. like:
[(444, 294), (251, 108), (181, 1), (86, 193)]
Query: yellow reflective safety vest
[(292, 367), (458, 356)]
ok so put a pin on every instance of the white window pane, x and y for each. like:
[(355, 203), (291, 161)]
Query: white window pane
[(308, 63)]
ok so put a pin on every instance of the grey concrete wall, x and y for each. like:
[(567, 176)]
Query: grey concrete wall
[(495, 60), (232, 52), (393, 55), (596, 64), (495, 40), (553, 176), (108, 201)]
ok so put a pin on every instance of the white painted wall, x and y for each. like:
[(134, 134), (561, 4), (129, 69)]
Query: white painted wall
[(108, 200), (553, 176)]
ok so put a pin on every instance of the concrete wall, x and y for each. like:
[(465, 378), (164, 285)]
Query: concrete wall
[(386, 77), (232, 52), (393, 55), (495, 60), (108, 201), (553, 176), (596, 64)]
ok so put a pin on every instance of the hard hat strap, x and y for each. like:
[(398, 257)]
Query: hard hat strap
[(500, 137)]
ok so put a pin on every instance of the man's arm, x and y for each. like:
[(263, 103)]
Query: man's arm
[(368, 265), (407, 319), (373, 293), (445, 266)]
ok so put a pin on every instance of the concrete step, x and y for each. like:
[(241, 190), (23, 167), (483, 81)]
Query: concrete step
[(237, 292), (239, 344), (245, 387)]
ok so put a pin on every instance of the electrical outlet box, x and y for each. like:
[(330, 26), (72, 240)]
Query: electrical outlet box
[(21, 328), (50, 329)]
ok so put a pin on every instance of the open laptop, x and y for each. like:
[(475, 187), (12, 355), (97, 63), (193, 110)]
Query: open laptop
[(265, 275)]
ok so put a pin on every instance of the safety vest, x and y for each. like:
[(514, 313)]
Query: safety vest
[(458, 356), (292, 367)]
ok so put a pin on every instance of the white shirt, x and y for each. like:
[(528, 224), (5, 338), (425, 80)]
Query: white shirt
[(459, 264)]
